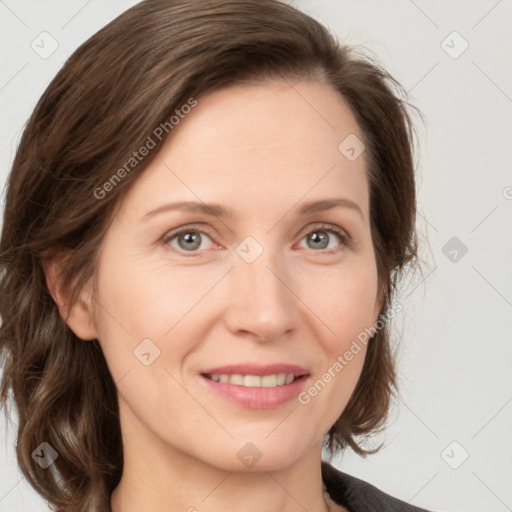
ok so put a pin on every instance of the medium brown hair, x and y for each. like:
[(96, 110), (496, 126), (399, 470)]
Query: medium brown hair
[(104, 103)]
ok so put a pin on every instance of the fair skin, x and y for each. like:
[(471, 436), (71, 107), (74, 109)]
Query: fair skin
[(262, 151)]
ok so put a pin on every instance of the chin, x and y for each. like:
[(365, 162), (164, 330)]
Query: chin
[(253, 452)]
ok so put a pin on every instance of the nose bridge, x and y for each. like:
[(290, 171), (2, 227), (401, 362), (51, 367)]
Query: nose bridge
[(261, 301)]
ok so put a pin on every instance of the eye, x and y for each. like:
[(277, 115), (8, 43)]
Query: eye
[(188, 240), (321, 238), (192, 240)]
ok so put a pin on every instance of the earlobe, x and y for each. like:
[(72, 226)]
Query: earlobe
[(79, 315)]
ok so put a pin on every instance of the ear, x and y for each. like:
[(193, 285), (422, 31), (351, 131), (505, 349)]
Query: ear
[(78, 316)]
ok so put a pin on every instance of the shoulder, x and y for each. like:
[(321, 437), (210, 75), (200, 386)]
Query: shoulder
[(360, 496)]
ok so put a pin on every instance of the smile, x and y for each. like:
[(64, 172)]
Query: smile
[(254, 381)]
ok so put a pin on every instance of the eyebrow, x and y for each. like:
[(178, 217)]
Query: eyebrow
[(217, 210)]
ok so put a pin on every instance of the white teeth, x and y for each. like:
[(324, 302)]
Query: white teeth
[(236, 379), (255, 381), (252, 381), (269, 381)]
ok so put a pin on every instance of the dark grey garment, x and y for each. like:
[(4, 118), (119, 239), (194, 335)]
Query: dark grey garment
[(359, 496)]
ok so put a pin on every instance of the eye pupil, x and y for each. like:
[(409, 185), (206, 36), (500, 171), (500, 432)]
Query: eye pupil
[(190, 237), (319, 236)]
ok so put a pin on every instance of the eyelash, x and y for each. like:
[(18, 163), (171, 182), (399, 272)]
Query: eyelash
[(328, 228)]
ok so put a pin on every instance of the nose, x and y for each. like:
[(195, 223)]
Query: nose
[(261, 304)]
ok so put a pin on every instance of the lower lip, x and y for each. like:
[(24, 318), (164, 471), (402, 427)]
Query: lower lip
[(257, 398)]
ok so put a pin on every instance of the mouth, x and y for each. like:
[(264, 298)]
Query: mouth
[(254, 386)]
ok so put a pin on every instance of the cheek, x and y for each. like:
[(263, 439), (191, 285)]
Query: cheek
[(345, 301), (140, 300), (355, 310), (347, 308)]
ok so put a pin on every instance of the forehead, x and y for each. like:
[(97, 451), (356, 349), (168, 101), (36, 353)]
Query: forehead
[(248, 145), (273, 114)]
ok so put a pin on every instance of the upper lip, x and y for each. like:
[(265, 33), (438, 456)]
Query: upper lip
[(256, 369)]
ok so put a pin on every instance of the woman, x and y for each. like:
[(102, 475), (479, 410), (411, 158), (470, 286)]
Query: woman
[(205, 221)]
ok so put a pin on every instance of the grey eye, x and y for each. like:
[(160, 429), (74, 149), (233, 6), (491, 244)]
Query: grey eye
[(319, 239), (188, 240)]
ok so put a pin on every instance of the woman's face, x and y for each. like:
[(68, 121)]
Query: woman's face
[(263, 289)]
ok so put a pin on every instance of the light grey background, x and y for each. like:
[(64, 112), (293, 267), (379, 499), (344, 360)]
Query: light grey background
[(456, 345)]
